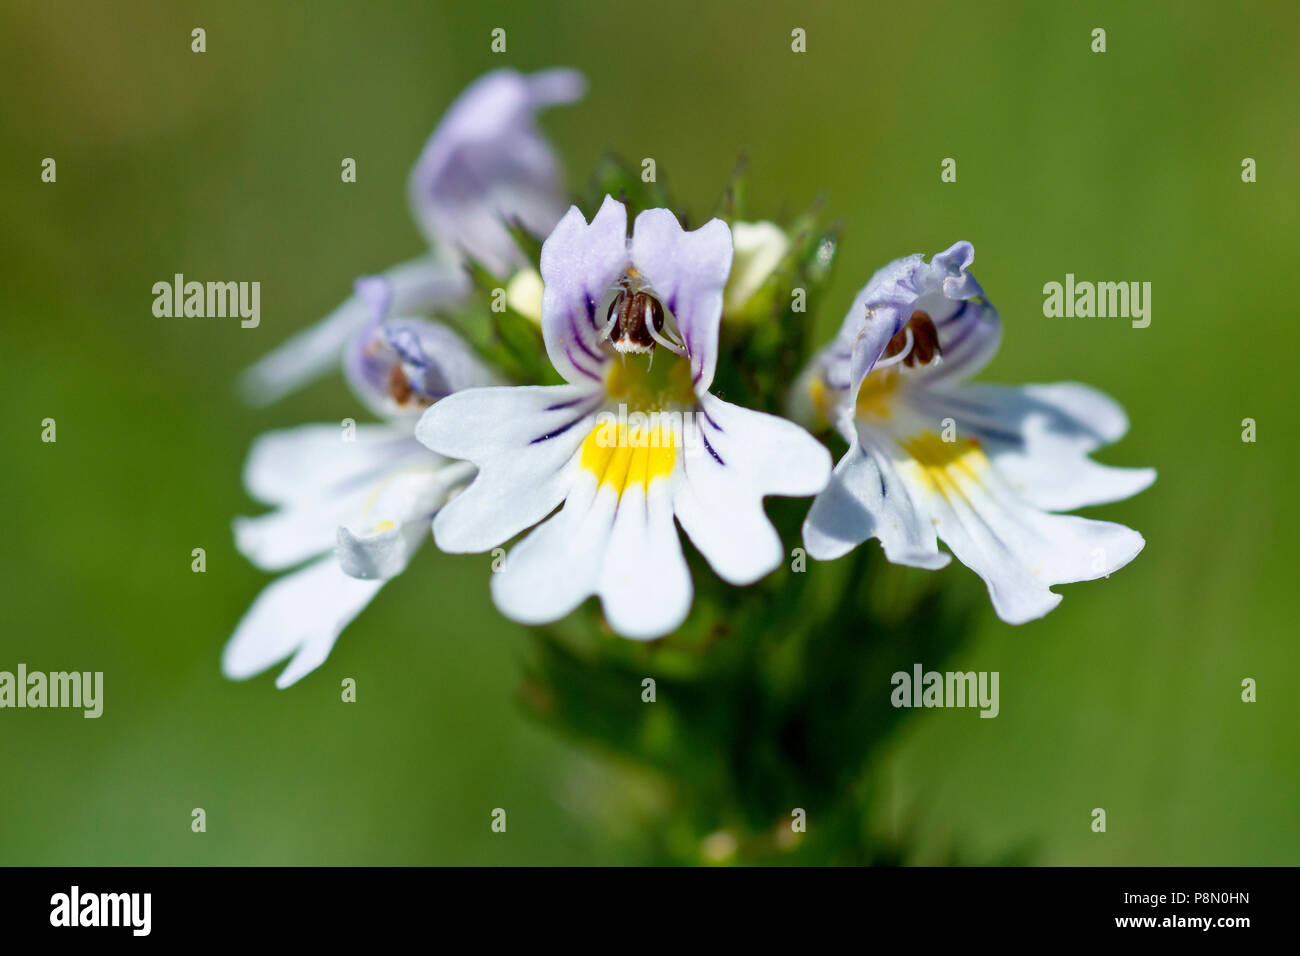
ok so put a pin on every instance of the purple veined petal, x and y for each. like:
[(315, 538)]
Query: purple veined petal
[(718, 502), (1020, 551), (969, 335), (966, 324), (522, 439), (1039, 438), (688, 272), (416, 286), (580, 262), (832, 379), (867, 498), (399, 367), (486, 165), (968, 327), (988, 491), (950, 270)]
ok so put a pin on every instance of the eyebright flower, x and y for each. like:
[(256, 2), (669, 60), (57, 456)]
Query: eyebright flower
[(632, 441), (485, 169), (356, 505), (982, 467)]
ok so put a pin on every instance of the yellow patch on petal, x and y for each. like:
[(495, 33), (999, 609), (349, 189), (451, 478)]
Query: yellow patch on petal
[(620, 456), (941, 463), (876, 397), (384, 526)]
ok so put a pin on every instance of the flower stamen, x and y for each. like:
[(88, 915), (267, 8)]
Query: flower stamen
[(916, 343), (633, 319)]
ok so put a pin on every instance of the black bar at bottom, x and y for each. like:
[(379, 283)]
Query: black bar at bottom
[(305, 905)]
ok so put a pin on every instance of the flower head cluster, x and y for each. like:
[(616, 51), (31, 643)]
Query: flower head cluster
[(622, 402)]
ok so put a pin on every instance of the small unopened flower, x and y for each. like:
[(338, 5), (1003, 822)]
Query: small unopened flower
[(485, 169), (354, 500), (632, 442), (760, 248), (524, 294), (981, 467)]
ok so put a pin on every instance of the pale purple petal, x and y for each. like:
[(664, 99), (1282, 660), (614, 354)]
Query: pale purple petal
[(486, 165), (400, 366), (968, 326), (580, 262), (687, 271), (416, 286)]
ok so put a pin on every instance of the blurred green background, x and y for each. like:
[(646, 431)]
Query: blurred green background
[(1116, 166)]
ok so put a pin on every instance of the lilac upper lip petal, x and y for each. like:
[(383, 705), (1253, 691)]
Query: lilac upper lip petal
[(487, 165), (689, 271)]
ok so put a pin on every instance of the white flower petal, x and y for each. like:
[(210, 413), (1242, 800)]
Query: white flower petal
[(382, 554), (287, 537), (1039, 437), (1086, 409), (305, 356), (321, 481), (645, 585), (300, 614), (558, 565), (624, 549), (866, 498), (395, 519), (1017, 549), (745, 455), (306, 462), (522, 441)]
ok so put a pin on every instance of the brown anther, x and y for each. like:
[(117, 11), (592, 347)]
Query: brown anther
[(630, 332), (925, 341), (399, 389)]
